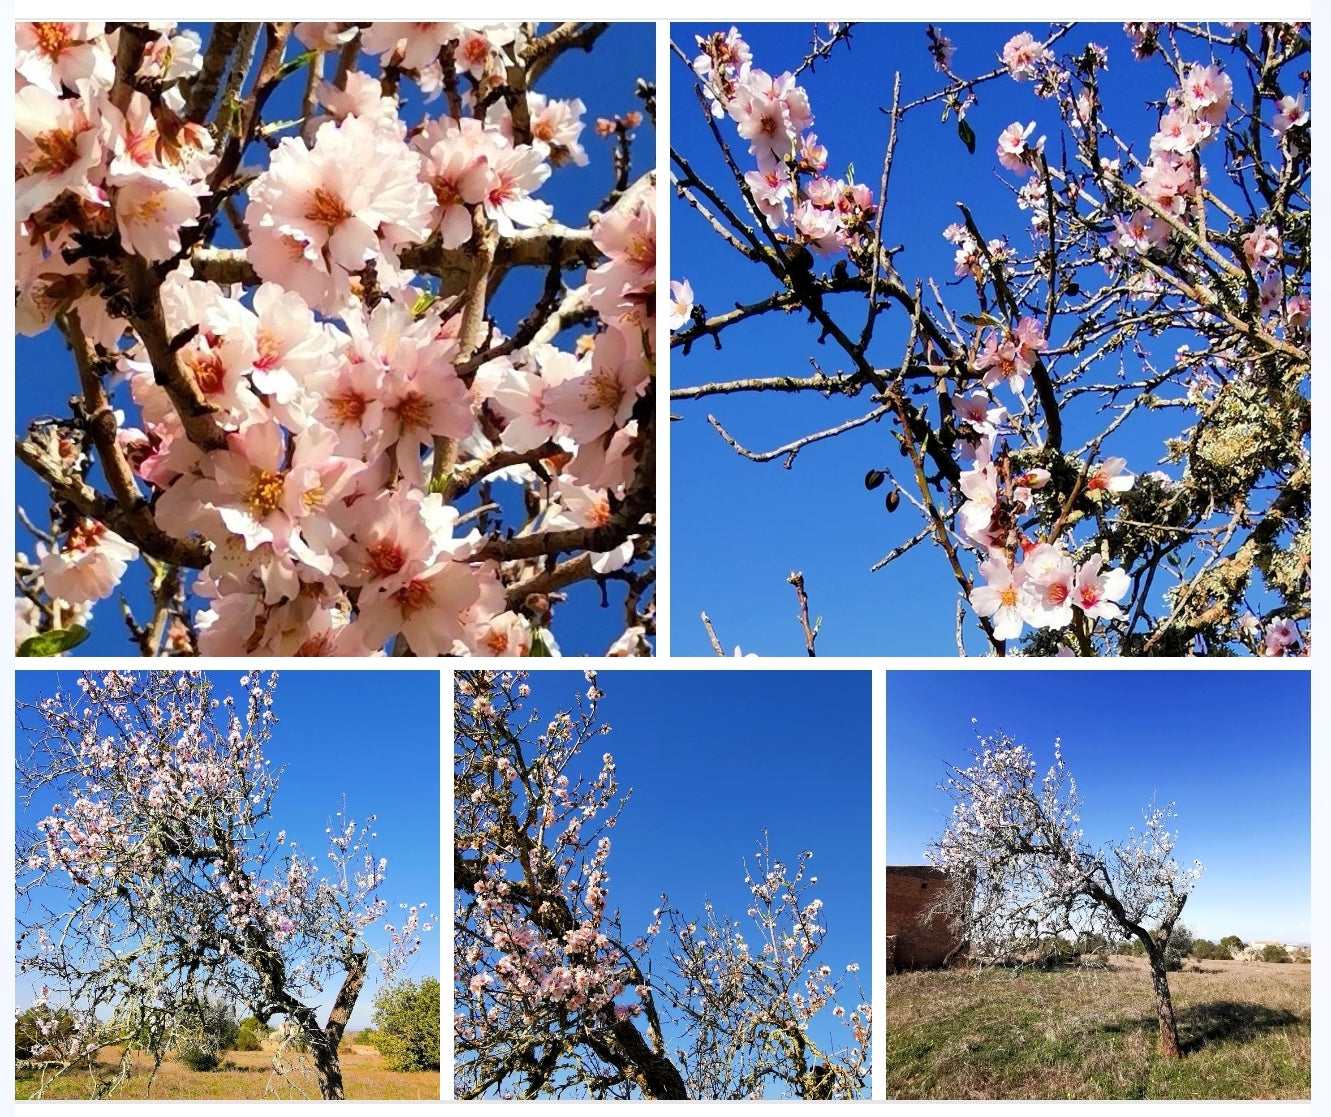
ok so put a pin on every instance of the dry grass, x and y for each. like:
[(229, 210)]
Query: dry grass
[(1246, 1030), (245, 1076)]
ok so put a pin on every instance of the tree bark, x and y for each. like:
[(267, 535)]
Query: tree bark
[(1164, 1004), (324, 1042), (623, 1046)]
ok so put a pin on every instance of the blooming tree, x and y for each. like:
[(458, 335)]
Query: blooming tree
[(1015, 838), (553, 996), (155, 884), (1152, 268), (303, 409)]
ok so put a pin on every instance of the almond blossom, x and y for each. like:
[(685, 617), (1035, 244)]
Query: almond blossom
[(276, 411)]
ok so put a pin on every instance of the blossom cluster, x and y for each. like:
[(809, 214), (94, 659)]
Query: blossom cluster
[(343, 401), (1194, 117), (1044, 588), (790, 186)]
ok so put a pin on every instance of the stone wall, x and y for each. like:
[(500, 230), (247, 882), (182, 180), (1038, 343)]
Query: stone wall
[(911, 943)]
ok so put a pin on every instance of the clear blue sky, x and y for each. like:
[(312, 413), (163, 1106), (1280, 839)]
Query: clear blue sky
[(1231, 749), (604, 79), (371, 736), (714, 758), (739, 527)]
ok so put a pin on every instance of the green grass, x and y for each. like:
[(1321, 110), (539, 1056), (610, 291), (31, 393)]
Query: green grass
[(1246, 1030)]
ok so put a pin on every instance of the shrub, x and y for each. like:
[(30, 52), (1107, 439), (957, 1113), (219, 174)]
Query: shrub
[(257, 1026), (199, 1056), (406, 1024), (1178, 947), (1274, 952), (1205, 950), (247, 1039), (1233, 944)]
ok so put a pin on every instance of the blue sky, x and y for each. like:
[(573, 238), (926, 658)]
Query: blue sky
[(373, 737), (714, 758), (1231, 749), (604, 79), (739, 527)]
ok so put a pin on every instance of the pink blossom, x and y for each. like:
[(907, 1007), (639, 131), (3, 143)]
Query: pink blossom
[(1280, 636), (1110, 476), (56, 149), (1290, 113), (317, 215), (1261, 246), (1013, 151), (513, 174), (1095, 594), (681, 303), (89, 566), (1000, 598), (56, 55), (1022, 54), (1049, 586), (1207, 93)]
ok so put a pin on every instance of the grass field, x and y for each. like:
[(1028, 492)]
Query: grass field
[(249, 1076), (1245, 1028)]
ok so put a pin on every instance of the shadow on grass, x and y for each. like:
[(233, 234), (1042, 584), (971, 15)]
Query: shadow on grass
[(1211, 1022)]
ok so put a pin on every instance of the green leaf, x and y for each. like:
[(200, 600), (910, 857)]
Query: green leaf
[(967, 134), (538, 648), (54, 642)]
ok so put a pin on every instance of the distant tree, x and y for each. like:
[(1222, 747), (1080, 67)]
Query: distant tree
[(1233, 944), (1035, 874), (155, 884), (1274, 952), (406, 1024), (1207, 951)]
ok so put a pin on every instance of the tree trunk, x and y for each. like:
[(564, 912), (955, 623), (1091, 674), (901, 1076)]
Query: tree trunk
[(324, 1042), (1164, 1004), (328, 1067)]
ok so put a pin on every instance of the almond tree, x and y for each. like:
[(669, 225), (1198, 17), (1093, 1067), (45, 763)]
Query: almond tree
[(1156, 265), (301, 412), (156, 885), (554, 997), (1017, 837)]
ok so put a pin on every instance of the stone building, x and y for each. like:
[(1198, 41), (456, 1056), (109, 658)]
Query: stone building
[(914, 942)]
